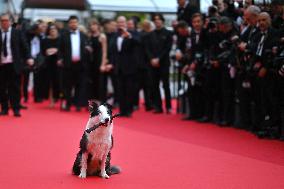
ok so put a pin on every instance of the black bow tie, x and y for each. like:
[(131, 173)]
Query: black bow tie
[(73, 32), (263, 33)]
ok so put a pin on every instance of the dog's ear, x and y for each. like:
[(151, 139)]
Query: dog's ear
[(107, 105), (109, 108), (92, 105)]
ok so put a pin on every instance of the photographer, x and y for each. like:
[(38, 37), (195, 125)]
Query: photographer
[(279, 67), (227, 60), (212, 76), (281, 88), (195, 57), (185, 11), (244, 77), (264, 85)]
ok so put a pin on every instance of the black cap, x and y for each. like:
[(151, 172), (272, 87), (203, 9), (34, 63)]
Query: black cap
[(277, 2), (214, 20), (225, 20)]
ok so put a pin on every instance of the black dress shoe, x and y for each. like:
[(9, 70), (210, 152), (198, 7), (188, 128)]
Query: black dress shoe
[(78, 109), (23, 107), (188, 118), (224, 124), (204, 119), (169, 111), (66, 109), (149, 109), (4, 112), (125, 115), (158, 111), (38, 100), (114, 170), (17, 113), (135, 108)]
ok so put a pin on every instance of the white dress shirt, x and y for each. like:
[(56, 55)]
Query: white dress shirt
[(8, 59), (35, 46), (75, 46), (119, 43), (261, 44)]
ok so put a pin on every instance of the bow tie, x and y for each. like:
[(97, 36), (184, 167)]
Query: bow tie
[(263, 33), (73, 32)]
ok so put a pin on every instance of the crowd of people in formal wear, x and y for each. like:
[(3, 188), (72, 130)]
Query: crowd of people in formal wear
[(230, 58)]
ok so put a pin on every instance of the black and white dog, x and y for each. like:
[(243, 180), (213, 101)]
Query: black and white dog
[(96, 144)]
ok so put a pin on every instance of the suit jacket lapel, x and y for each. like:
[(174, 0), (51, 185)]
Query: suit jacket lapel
[(1, 41), (13, 42)]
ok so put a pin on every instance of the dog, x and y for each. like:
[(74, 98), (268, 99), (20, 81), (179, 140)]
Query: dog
[(96, 144)]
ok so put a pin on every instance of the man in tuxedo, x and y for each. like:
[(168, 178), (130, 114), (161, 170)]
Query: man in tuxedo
[(72, 57), (157, 50), (123, 56), (14, 50), (264, 94), (185, 11), (244, 79)]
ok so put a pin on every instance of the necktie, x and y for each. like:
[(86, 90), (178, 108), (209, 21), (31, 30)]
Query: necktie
[(5, 53), (260, 45)]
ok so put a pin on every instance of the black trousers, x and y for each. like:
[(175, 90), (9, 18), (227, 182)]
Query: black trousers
[(126, 91), (52, 79), (246, 100), (144, 82), (196, 97), (161, 75), (10, 90), (103, 86), (25, 82), (281, 104), (212, 93), (228, 97), (40, 84), (73, 79), (266, 102)]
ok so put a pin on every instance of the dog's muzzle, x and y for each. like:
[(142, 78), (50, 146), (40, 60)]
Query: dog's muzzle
[(106, 121)]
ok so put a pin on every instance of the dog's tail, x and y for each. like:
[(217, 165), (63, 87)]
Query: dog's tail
[(76, 170)]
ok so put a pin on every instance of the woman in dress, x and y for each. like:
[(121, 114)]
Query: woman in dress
[(50, 50), (98, 63)]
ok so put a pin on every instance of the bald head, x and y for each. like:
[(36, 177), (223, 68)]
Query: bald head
[(121, 22), (264, 21)]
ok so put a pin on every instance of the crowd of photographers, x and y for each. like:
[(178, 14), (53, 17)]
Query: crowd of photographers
[(233, 62), (231, 59)]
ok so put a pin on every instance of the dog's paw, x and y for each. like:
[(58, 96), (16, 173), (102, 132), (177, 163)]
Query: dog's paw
[(105, 176), (83, 175)]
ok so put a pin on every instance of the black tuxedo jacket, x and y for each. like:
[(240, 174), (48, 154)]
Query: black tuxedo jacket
[(65, 49), (20, 49), (159, 46), (125, 61), (248, 35), (270, 41), (186, 13)]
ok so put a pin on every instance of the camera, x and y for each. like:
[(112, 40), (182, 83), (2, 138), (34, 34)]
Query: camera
[(120, 31)]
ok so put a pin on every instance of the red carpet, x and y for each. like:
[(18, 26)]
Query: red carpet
[(154, 151)]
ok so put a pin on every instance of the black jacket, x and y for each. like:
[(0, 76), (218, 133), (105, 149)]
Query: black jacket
[(20, 49), (159, 46), (270, 41), (186, 13), (65, 50), (124, 61)]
